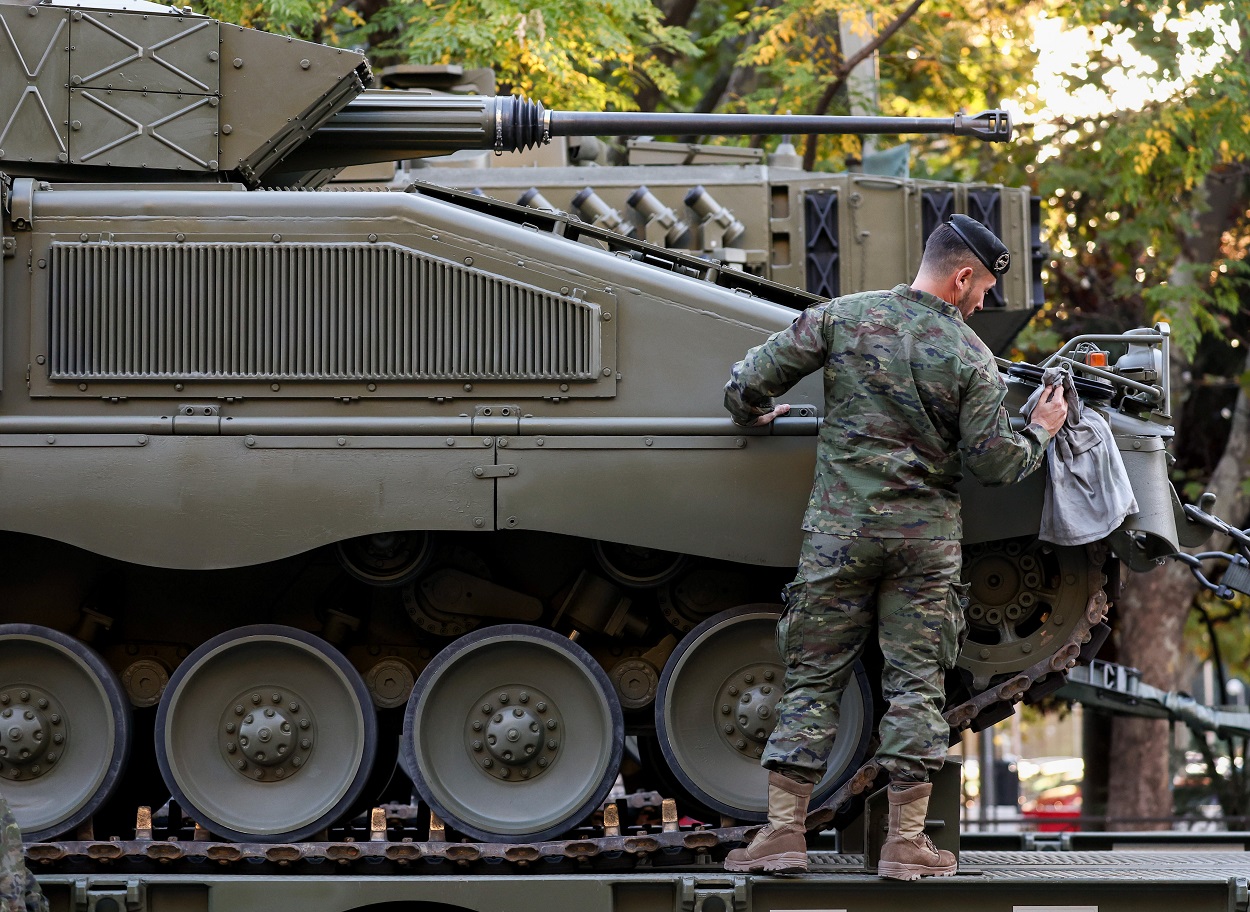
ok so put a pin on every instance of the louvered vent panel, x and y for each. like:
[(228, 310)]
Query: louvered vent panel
[(304, 312)]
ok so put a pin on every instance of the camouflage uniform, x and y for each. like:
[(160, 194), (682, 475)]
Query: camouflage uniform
[(906, 381), (19, 891)]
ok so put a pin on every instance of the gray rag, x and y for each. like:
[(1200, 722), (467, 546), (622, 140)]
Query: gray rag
[(1088, 492)]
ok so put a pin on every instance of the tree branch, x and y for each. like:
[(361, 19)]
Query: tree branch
[(844, 72)]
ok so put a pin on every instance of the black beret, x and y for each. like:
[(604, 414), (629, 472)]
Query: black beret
[(992, 252)]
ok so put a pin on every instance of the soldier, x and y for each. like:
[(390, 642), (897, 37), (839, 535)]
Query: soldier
[(19, 891), (907, 384)]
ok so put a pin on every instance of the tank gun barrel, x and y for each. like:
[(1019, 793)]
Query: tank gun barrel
[(990, 126), (387, 126)]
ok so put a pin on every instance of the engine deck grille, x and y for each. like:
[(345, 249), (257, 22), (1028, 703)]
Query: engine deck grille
[(304, 312)]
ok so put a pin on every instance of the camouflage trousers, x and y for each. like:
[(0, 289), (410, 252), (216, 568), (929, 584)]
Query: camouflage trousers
[(843, 586), (19, 892)]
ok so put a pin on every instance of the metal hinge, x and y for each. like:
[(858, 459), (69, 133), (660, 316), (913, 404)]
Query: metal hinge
[(22, 203), (116, 897), (713, 894), (494, 471), (197, 418)]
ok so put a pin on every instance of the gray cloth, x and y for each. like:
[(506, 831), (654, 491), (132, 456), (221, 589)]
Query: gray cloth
[(1088, 493)]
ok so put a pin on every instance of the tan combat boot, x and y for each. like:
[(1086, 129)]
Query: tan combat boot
[(908, 854), (781, 846)]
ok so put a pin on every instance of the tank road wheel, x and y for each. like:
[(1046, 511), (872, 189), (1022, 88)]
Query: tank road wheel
[(636, 567), (715, 710), (64, 729), (1024, 598), (513, 733), (386, 559), (265, 733)]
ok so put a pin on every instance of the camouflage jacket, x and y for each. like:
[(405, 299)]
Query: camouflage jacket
[(19, 892), (907, 384)]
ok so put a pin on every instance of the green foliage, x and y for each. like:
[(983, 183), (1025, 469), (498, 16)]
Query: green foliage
[(1126, 191), (589, 54), (288, 17)]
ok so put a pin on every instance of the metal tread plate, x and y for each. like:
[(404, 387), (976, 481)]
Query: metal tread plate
[(1159, 866)]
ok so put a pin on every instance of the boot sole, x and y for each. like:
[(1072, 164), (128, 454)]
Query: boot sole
[(781, 863), (896, 870)]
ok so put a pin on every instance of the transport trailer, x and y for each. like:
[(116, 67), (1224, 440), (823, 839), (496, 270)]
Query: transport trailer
[(1178, 880)]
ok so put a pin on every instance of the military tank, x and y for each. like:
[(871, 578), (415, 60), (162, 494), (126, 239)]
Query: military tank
[(301, 483)]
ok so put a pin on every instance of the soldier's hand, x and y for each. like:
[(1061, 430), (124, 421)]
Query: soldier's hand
[(767, 417), (1051, 409)]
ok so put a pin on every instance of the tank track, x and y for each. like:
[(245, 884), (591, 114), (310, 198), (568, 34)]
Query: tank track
[(385, 849), (872, 775)]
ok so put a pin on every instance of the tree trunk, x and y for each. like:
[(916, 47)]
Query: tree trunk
[(1151, 619)]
